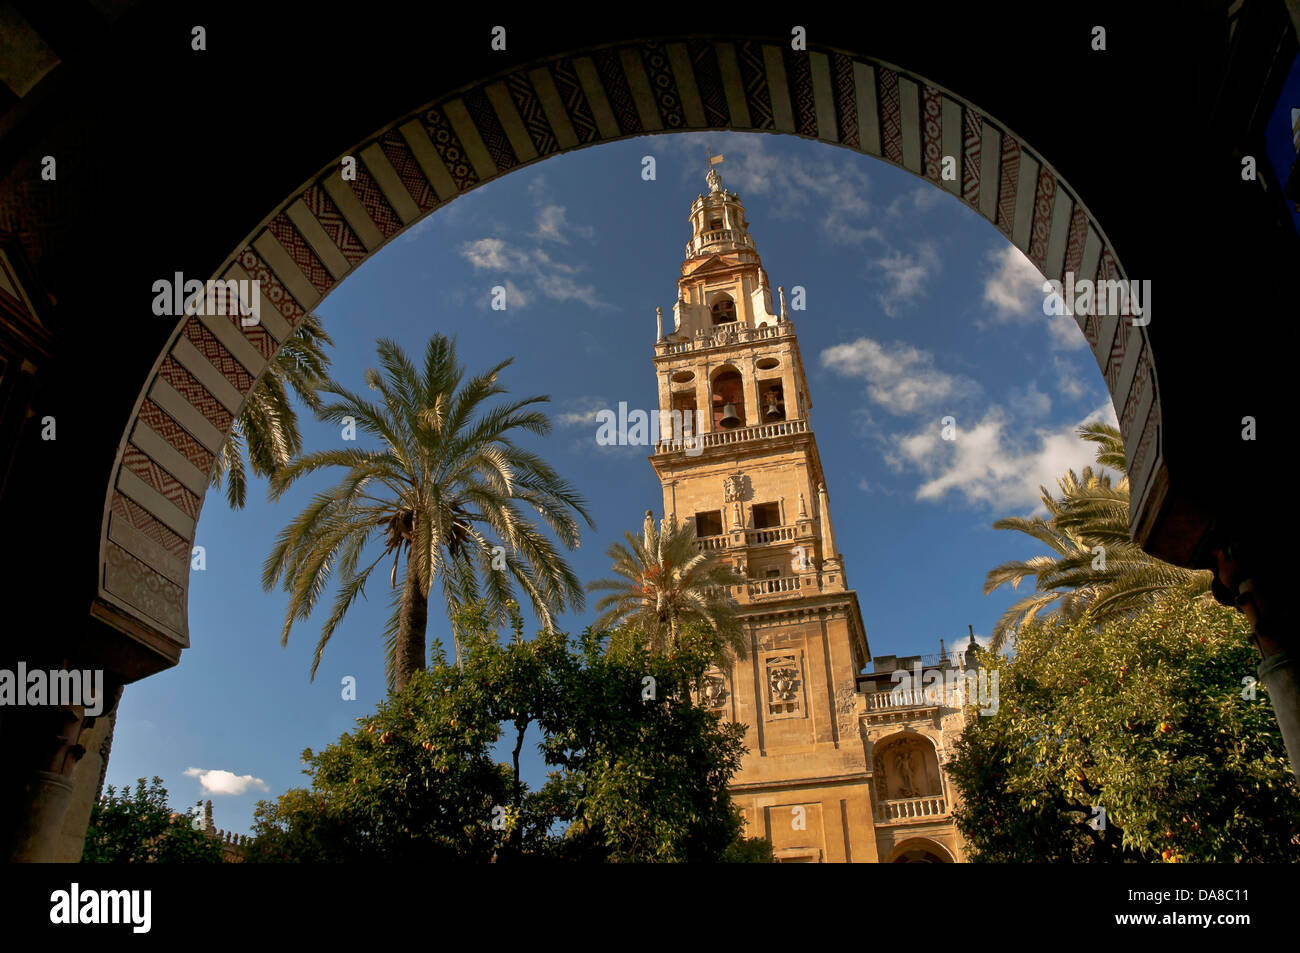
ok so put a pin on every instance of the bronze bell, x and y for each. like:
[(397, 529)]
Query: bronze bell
[(730, 418), (771, 411)]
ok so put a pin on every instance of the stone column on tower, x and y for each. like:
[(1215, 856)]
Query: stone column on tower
[(830, 555)]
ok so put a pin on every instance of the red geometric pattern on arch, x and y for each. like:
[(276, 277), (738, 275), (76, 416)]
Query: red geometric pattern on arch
[(1010, 179), (574, 99), (708, 78), (798, 74), (531, 112), (1139, 467), (336, 226), (1078, 234), (974, 132), (846, 99), (372, 198), (891, 125), (292, 242), (180, 440), (490, 130), (663, 85), (1042, 228), (408, 170), (1141, 378), (135, 460), (449, 148), (933, 133), (609, 66), (195, 394), (1119, 344), (753, 74), (208, 345), (274, 290), (140, 518)]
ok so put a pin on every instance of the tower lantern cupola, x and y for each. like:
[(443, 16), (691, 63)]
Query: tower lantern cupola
[(718, 222), (722, 282)]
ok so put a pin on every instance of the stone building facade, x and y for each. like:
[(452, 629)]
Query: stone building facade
[(836, 770)]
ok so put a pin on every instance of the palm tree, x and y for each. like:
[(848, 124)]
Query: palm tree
[(664, 584), (267, 423), (447, 469), (1096, 570)]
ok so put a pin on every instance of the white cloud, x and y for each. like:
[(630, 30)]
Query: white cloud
[(1029, 401), (920, 199), (515, 298), (216, 781), (1014, 290), (494, 254), (1069, 380), (562, 288), (961, 644), (583, 412), (905, 276), (536, 273), (900, 377), (995, 462), (553, 224)]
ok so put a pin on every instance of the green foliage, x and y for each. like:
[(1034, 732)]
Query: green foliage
[(1096, 571), (267, 425), (663, 585), (1144, 717), (636, 778), (137, 827), (749, 850), (443, 484)]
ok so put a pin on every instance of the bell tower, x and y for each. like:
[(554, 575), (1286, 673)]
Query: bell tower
[(739, 460)]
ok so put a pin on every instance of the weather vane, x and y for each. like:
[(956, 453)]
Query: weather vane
[(712, 178)]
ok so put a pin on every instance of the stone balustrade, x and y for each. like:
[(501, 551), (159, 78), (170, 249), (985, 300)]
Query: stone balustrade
[(773, 586), (753, 537), (901, 810), (724, 335), (773, 534), (715, 236), (904, 699), (726, 438)]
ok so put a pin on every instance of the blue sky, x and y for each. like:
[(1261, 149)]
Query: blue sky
[(916, 309)]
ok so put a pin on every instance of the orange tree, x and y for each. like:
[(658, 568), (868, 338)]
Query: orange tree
[(1156, 719), (137, 827), (640, 771)]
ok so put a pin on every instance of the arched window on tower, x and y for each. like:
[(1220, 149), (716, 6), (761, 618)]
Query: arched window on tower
[(771, 401), (723, 310), (728, 400)]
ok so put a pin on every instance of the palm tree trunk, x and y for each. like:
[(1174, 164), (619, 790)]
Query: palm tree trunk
[(411, 627)]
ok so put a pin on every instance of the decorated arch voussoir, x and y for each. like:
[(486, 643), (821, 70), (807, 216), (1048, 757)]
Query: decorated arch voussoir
[(466, 137)]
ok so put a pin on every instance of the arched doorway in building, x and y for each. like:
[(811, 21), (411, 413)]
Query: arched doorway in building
[(919, 850)]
